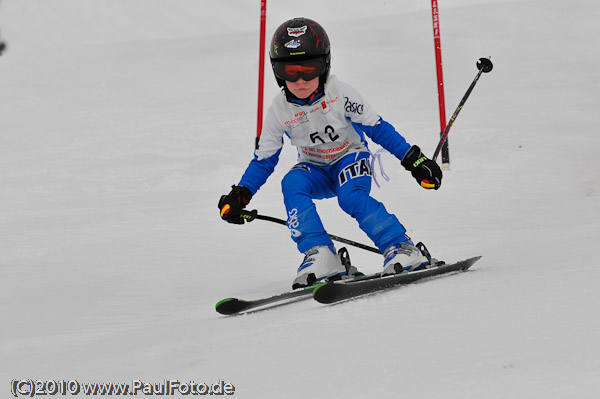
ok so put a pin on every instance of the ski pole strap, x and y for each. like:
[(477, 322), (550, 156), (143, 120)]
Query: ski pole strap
[(249, 216), (376, 157)]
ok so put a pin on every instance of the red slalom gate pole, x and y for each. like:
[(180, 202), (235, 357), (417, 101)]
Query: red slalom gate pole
[(440, 80), (261, 70)]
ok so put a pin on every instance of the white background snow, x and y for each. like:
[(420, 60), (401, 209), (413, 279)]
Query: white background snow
[(122, 123)]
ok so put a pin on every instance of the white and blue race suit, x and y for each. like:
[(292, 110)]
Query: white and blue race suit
[(328, 132)]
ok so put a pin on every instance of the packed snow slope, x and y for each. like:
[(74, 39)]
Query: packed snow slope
[(122, 123)]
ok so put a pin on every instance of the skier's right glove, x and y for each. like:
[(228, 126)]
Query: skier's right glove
[(427, 172), (231, 205)]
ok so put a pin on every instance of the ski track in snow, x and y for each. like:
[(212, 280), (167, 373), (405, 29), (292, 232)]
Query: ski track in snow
[(122, 123)]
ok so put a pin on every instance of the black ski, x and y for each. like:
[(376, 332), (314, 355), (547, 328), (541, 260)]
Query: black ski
[(341, 289), (234, 305), (229, 306), (335, 292)]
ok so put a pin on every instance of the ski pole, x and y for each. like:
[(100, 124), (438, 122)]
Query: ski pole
[(251, 215), (484, 65)]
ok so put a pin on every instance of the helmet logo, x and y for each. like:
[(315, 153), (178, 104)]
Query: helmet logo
[(292, 44), (295, 32)]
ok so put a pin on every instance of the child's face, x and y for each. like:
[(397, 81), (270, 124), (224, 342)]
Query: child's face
[(302, 88)]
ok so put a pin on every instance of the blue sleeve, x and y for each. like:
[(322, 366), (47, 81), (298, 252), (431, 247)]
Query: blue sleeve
[(258, 171), (386, 136)]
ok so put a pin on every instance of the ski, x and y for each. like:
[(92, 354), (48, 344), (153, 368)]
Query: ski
[(229, 306), (333, 292), (340, 290)]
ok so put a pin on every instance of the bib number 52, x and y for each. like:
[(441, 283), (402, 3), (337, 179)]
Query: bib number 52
[(329, 133)]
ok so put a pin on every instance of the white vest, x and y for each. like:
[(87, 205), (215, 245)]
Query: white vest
[(323, 131)]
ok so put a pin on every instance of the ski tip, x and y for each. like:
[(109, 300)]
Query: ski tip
[(466, 264), (229, 306), (327, 293)]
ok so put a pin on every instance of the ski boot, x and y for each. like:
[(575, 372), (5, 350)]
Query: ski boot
[(320, 264), (405, 257)]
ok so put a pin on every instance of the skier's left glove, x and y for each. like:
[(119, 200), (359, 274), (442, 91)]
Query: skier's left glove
[(427, 172), (231, 205)]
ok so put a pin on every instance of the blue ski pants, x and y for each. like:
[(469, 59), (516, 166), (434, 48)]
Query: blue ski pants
[(348, 179)]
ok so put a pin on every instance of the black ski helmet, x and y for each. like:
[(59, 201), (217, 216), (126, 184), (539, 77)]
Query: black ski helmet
[(300, 39)]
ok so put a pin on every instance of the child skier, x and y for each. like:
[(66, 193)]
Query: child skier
[(326, 120)]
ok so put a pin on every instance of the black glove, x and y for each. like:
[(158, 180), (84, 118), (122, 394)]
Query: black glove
[(231, 205), (427, 172)]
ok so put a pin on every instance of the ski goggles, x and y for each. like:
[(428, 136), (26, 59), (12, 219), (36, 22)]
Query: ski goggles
[(292, 71)]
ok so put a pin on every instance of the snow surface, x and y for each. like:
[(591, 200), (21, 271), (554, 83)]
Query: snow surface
[(122, 122)]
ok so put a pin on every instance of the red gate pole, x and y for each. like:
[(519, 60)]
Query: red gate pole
[(440, 79), (261, 70)]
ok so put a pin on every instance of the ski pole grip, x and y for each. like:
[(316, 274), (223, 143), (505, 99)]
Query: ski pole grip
[(249, 216)]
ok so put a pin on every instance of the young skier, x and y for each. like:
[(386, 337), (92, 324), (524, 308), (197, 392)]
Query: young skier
[(326, 120)]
